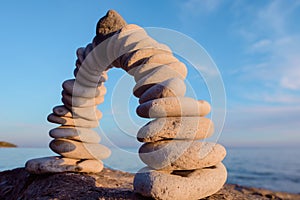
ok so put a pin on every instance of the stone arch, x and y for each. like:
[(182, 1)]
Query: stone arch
[(160, 87)]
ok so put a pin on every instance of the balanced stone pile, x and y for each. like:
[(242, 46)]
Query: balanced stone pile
[(75, 141), (179, 165)]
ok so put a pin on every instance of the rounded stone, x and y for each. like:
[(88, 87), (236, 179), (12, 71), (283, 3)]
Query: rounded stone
[(110, 23), (134, 59), (173, 107), (88, 113), (79, 150), (67, 121), (76, 89), (75, 133), (181, 155), (124, 33), (158, 75), (57, 164), (110, 48), (90, 166), (180, 128), (129, 41), (180, 185), (146, 68), (130, 61), (81, 101), (169, 88), (85, 77)]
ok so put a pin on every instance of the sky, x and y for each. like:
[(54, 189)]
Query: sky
[(254, 44)]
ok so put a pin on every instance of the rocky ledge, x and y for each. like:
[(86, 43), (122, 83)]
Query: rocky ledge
[(108, 184), (6, 144)]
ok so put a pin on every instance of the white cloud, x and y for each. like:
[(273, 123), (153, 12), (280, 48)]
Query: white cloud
[(261, 45), (273, 46), (198, 7)]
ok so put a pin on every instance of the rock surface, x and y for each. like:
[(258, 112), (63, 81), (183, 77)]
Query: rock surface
[(6, 144), (179, 185), (108, 184)]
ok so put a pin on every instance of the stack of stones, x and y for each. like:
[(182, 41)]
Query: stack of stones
[(179, 166), (75, 140)]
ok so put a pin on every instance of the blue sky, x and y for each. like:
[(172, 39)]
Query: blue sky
[(255, 45)]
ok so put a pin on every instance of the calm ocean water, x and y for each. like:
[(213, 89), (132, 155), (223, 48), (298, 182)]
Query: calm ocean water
[(271, 168)]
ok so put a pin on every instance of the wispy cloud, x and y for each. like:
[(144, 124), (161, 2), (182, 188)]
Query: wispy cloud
[(197, 7), (273, 46)]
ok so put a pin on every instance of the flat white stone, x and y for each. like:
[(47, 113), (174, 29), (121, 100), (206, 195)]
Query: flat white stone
[(57, 164)]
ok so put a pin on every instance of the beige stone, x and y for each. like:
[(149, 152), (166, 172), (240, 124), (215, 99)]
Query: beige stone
[(180, 128), (125, 31), (181, 155), (75, 133), (158, 75), (110, 48), (76, 89), (173, 107), (88, 79), (134, 59), (67, 121), (129, 41), (146, 68), (176, 185), (57, 164), (79, 150), (91, 166), (88, 113), (96, 62), (137, 46), (81, 101), (85, 82), (92, 114), (168, 88)]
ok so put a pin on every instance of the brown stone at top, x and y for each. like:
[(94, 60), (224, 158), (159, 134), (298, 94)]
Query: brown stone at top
[(108, 25)]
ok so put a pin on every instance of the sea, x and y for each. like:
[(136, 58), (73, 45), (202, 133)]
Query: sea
[(269, 168)]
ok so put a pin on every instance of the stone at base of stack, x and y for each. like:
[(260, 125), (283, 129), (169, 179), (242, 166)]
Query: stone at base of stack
[(188, 184)]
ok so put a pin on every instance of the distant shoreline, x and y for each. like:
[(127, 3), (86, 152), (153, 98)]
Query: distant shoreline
[(7, 145)]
